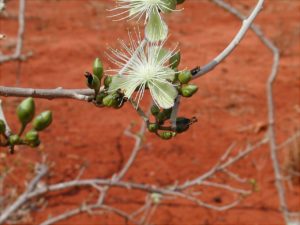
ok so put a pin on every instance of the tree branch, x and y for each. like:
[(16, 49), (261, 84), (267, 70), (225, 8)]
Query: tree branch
[(271, 109), (41, 172), (78, 94), (233, 44)]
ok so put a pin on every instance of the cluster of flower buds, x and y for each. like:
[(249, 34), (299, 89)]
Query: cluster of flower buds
[(25, 113), (158, 127), (102, 98), (182, 124), (182, 78)]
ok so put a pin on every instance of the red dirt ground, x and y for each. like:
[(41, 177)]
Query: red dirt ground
[(66, 35)]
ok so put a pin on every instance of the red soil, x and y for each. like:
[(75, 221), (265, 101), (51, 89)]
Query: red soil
[(65, 37)]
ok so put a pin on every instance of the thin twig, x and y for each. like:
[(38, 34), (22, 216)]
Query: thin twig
[(41, 172), (17, 55), (270, 103), (78, 94), (2, 117), (88, 208), (233, 44)]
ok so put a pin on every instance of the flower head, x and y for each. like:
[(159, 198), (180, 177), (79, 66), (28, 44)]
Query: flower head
[(156, 29), (145, 67)]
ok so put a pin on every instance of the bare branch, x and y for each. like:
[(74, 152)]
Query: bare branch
[(222, 165), (17, 55), (88, 208), (233, 44), (41, 172), (271, 109), (78, 94), (2, 117)]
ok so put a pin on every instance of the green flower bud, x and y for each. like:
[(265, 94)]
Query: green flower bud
[(2, 127), (14, 139), (180, 2), (107, 81), (110, 101), (183, 124), (42, 121), (152, 127), (100, 97), (161, 117), (170, 6), (155, 110), (175, 60), (92, 82), (184, 77), (98, 69), (31, 136), (156, 198), (120, 100), (189, 90), (167, 113), (35, 143), (26, 110), (167, 135)]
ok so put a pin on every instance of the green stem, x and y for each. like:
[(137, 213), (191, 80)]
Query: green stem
[(22, 129)]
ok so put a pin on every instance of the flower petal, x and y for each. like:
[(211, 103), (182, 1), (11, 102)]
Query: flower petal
[(168, 74), (156, 29), (125, 83), (163, 94)]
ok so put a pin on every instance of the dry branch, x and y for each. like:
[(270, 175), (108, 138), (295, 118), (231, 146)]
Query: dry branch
[(270, 103)]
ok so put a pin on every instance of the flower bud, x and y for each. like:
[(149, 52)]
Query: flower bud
[(152, 127), (107, 81), (26, 110), (170, 6), (35, 143), (184, 77), (156, 198), (183, 124), (98, 69), (31, 136), (100, 97), (175, 60), (2, 127), (110, 101), (161, 117), (167, 112), (167, 135), (92, 81), (155, 110), (14, 139), (189, 90), (42, 121)]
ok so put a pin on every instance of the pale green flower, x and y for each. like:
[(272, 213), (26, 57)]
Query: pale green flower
[(148, 67), (156, 29)]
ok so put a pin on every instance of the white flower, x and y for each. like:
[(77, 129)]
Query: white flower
[(146, 66), (156, 29), (2, 5)]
